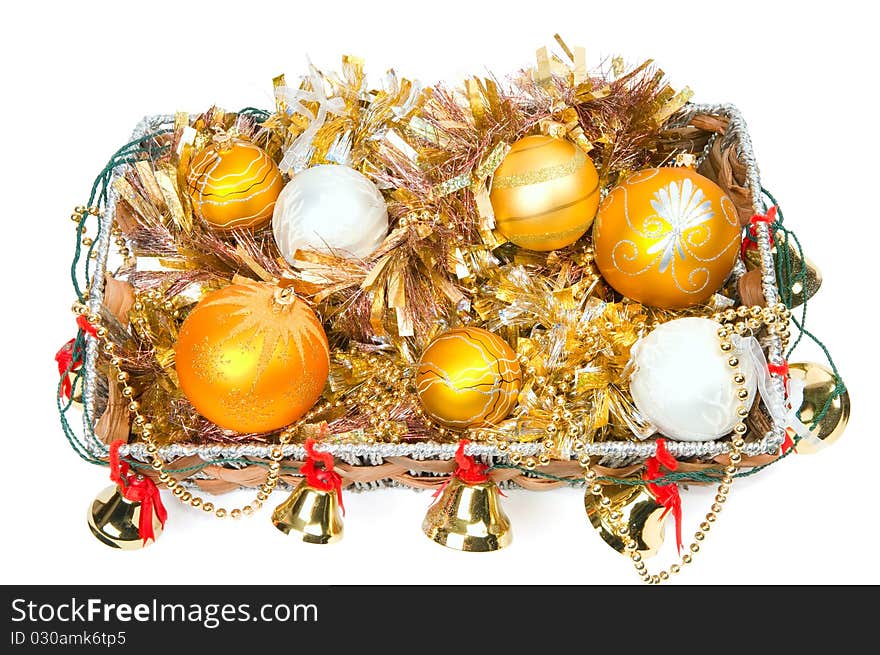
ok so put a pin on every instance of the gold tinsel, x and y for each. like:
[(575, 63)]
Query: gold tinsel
[(432, 151)]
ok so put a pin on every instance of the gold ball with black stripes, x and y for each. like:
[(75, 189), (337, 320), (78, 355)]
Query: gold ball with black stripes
[(545, 193), (468, 377), (233, 185)]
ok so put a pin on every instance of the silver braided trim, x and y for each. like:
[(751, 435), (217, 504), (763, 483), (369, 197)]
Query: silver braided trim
[(737, 136), (376, 453)]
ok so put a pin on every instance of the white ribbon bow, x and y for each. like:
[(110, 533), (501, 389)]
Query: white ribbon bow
[(297, 155), (783, 412)]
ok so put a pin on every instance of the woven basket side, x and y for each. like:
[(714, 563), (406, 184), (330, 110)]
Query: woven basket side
[(409, 472)]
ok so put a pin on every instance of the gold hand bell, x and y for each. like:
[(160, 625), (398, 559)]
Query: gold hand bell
[(314, 509), (128, 514), (806, 278), (313, 513), (819, 385), (466, 514), (641, 513), (114, 520)]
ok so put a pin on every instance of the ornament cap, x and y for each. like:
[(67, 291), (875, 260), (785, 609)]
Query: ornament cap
[(222, 139), (285, 295)]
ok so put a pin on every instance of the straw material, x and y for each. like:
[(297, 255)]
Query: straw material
[(417, 474)]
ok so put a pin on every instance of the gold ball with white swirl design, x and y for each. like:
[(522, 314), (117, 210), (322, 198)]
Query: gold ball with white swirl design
[(468, 377), (233, 184), (667, 237), (545, 193)]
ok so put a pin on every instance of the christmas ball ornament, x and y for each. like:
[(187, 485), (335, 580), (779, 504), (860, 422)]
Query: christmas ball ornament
[(233, 184), (819, 383), (544, 193), (667, 237), (682, 381), (252, 357), (331, 209), (468, 377)]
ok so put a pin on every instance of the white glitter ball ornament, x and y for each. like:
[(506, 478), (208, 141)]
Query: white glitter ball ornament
[(331, 209), (682, 382)]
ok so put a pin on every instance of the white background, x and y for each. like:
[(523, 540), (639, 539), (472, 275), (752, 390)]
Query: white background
[(78, 76)]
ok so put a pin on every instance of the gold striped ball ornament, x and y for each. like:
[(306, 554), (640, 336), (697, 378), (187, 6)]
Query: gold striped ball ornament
[(545, 193), (252, 357), (468, 377), (233, 184), (666, 237)]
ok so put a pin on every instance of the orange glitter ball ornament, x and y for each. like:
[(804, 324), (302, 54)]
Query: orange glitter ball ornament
[(233, 184), (666, 237), (252, 357)]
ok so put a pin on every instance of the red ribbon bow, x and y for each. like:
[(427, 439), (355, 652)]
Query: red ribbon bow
[(469, 470), (322, 479), (66, 364), (137, 489), (68, 361), (751, 241), (666, 494), (83, 324)]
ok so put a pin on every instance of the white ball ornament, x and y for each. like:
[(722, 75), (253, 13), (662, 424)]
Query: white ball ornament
[(331, 209), (683, 384)]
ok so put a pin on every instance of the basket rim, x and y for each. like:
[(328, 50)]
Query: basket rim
[(736, 135)]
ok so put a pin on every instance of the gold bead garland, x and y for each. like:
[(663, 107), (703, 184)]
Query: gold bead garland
[(276, 451), (122, 245), (80, 212), (755, 316), (385, 389), (751, 319), (744, 320)]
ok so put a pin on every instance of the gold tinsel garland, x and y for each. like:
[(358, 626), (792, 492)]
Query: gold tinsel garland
[(443, 264)]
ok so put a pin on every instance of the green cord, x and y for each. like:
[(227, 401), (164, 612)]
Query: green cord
[(259, 115), (99, 194), (785, 278), (130, 153), (709, 475)]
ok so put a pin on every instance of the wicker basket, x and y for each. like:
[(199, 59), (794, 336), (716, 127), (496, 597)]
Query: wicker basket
[(717, 137)]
